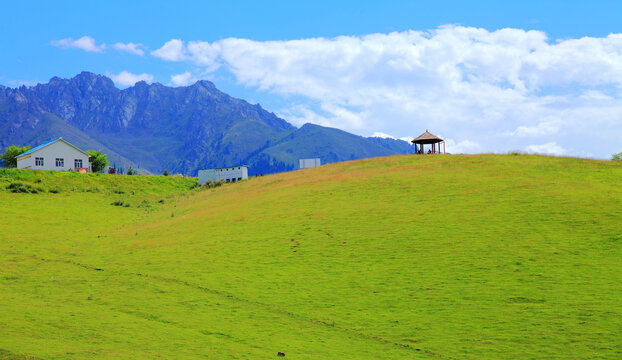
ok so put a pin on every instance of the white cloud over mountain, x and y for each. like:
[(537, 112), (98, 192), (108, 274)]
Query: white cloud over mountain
[(183, 79), (501, 90), (126, 78), (486, 90)]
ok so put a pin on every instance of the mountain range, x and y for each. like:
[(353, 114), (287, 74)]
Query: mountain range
[(152, 127)]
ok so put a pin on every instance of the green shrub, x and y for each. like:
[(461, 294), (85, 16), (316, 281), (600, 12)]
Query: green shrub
[(616, 157), (98, 160), (119, 203), (54, 191), (18, 187), (209, 184)]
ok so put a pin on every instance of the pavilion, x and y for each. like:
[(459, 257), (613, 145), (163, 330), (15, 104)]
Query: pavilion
[(431, 139)]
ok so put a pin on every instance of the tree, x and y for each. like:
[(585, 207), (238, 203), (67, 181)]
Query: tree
[(98, 160), (130, 171), (8, 158), (617, 157), (165, 172)]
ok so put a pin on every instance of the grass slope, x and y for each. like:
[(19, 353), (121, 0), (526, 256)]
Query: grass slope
[(451, 257)]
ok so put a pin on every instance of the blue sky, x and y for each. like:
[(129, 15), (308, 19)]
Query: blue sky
[(390, 67)]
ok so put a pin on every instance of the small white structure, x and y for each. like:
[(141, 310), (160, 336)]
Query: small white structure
[(227, 174), (57, 154), (308, 163)]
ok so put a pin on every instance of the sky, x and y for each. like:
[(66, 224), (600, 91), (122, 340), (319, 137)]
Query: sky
[(488, 76)]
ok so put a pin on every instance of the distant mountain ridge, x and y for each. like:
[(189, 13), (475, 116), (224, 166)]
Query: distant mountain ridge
[(183, 129)]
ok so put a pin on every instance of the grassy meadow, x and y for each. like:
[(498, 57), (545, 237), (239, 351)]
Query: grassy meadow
[(402, 257)]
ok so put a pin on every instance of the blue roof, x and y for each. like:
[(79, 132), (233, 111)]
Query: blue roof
[(48, 143), (38, 147)]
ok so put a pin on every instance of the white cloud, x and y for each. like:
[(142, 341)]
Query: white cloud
[(136, 49), (462, 147), (383, 136), (498, 88), (126, 78), (547, 127), (85, 43), (183, 79), (550, 148), (173, 50)]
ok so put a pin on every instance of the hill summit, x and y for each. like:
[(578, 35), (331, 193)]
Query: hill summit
[(183, 129)]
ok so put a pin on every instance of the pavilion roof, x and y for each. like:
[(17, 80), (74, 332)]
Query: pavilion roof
[(427, 138)]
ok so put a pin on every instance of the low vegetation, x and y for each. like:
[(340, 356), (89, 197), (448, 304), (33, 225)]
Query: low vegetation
[(210, 184), (72, 183), (404, 257)]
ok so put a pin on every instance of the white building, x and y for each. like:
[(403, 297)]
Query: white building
[(228, 174), (56, 154), (308, 163)]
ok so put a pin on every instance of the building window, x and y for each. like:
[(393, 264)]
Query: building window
[(60, 162), (239, 179), (38, 161), (77, 163)]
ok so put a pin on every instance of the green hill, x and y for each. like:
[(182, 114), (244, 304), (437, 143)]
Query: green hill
[(450, 257)]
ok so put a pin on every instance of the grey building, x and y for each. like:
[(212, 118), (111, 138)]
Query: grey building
[(227, 174), (308, 163)]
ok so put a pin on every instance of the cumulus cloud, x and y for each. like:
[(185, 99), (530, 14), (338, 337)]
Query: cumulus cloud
[(173, 50), (462, 147), (85, 43), (136, 49), (497, 89), (383, 136), (183, 79), (126, 78), (550, 148)]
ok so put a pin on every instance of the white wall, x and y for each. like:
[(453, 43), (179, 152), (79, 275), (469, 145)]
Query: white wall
[(230, 174), (59, 149)]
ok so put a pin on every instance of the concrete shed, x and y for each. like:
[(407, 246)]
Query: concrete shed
[(226, 174)]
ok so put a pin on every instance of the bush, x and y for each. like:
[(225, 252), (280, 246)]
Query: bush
[(120, 203), (616, 157), (18, 187), (209, 184), (130, 171), (165, 172)]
